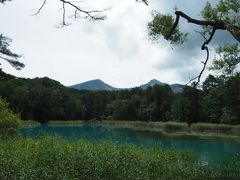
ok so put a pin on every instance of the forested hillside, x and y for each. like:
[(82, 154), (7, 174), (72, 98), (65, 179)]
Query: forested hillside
[(43, 99)]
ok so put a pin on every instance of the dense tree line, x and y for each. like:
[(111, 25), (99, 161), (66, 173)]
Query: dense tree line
[(43, 99)]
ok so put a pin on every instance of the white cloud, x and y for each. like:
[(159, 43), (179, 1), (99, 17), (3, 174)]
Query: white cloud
[(116, 50)]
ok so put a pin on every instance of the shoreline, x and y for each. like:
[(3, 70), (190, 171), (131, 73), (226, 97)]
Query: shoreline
[(201, 131)]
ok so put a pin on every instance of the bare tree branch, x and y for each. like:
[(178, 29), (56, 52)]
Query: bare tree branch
[(202, 34), (92, 14), (144, 1), (64, 14), (89, 14), (204, 48), (39, 10)]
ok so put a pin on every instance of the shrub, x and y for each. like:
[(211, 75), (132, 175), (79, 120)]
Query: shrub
[(9, 122)]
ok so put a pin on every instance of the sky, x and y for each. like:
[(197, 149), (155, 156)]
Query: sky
[(116, 50)]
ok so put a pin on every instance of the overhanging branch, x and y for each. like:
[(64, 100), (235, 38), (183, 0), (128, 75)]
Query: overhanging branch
[(16, 64), (144, 1), (217, 25), (39, 10), (204, 48), (92, 14)]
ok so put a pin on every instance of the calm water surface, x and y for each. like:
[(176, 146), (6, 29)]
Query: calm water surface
[(209, 151)]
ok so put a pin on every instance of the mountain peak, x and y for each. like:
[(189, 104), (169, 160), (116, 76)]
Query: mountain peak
[(152, 83), (95, 84), (96, 80)]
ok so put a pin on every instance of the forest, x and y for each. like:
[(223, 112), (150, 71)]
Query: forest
[(44, 99)]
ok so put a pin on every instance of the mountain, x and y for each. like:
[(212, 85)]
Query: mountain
[(152, 83), (176, 88), (98, 84), (95, 84)]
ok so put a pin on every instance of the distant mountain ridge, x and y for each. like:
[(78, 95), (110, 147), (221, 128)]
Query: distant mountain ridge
[(98, 84), (176, 88)]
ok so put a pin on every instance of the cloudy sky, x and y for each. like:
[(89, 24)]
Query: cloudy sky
[(116, 50)]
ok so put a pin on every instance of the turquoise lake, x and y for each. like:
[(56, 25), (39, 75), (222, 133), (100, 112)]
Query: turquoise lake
[(209, 151)]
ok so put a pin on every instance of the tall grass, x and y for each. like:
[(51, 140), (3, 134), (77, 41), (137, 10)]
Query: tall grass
[(54, 158), (209, 127), (168, 126), (175, 126), (236, 130)]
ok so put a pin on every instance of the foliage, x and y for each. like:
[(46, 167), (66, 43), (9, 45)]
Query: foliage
[(43, 99), (3, 1), (222, 104), (227, 10), (210, 83), (187, 106), (7, 55), (52, 158), (223, 16), (9, 122), (161, 25), (228, 56)]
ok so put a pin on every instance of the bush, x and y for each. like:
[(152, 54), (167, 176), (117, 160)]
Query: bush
[(9, 122)]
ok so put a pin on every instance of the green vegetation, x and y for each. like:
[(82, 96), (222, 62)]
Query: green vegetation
[(236, 130), (177, 129), (175, 126), (9, 122), (206, 127), (43, 99), (53, 158), (158, 126), (74, 122), (219, 101)]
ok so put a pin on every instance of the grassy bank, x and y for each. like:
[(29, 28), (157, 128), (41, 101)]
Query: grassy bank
[(168, 126), (210, 127), (53, 158), (236, 130), (177, 129)]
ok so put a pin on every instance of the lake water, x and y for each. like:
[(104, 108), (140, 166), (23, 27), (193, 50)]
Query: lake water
[(209, 151)]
